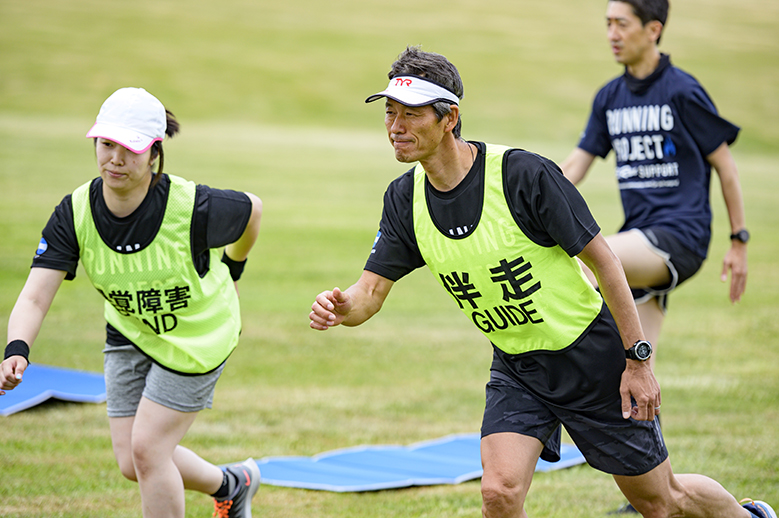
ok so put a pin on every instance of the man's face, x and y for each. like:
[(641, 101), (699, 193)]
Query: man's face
[(631, 41), (414, 132)]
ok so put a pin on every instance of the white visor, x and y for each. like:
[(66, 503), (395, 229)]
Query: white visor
[(415, 91)]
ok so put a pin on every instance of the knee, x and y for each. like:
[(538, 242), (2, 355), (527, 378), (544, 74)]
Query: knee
[(143, 458), (500, 498), (126, 467)]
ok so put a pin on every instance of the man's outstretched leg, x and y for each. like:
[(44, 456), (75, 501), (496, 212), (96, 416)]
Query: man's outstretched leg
[(660, 493)]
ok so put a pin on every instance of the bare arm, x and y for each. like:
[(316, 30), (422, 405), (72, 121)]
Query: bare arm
[(736, 257), (352, 307), (27, 318), (606, 267), (638, 381), (577, 164)]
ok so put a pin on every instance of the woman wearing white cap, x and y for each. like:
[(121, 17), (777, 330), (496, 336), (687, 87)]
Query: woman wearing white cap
[(148, 242)]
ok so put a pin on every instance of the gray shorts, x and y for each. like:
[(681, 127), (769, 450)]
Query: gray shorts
[(130, 374)]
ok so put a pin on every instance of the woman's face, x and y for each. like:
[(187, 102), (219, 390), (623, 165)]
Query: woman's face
[(122, 170)]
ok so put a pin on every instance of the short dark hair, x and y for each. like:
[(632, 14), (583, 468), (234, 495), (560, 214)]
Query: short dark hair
[(649, 11), (436, 68)]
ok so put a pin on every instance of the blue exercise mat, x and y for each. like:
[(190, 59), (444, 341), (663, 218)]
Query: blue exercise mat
[(41, 382), (449, 460)]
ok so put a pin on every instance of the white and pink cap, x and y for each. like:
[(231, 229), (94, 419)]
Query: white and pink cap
[(415, 91), (131, 117)]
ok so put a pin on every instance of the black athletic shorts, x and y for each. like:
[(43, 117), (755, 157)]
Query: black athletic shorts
[(609, 443), (534, 393), (681, 262)]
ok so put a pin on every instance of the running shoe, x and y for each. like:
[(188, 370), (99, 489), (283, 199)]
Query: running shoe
[(238, 504), (759, 508)]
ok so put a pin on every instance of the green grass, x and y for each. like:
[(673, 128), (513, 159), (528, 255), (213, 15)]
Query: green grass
[(270, 97)]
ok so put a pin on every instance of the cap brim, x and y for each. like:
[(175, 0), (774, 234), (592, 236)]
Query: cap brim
[(408, 99), (136, 142)]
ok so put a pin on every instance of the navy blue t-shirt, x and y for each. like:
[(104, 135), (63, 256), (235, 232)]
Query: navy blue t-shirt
[(661, 129)]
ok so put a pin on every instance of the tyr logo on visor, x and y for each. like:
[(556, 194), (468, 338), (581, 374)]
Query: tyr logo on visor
[(415, 91)]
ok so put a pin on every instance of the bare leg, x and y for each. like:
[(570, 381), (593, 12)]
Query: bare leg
[(156, 433), (196, 473), (121, 439), (509, 461), (643, 267), (660, 493)]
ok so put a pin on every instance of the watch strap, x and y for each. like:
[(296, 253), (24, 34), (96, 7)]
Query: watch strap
[(742, 236)]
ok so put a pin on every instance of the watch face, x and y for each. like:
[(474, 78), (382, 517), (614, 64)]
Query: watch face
[(643, 350)]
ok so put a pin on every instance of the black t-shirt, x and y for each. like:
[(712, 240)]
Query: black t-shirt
[(550, 211), (219, 218), (546, 206)]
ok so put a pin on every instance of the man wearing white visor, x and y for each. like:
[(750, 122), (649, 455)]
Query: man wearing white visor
[(415, 91), (500, 229)]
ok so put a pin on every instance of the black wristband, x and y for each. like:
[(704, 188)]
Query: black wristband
[(236, 267), (18, 348)]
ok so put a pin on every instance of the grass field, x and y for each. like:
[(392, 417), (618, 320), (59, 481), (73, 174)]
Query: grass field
[(270, 97)]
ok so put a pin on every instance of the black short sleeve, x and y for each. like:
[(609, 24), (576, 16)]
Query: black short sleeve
[(395, 252), (220, 217), (546, 205), (58, 248)]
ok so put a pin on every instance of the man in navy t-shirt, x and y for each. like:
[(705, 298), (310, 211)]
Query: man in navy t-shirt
[(666, 134)]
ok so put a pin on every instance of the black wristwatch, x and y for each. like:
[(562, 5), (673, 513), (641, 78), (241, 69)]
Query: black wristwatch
[(641, 351), (742, 235)]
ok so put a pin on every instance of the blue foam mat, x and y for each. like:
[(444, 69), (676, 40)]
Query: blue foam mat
[(42, 382), (449, 460)]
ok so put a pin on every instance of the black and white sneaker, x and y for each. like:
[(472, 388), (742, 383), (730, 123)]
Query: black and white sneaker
[(238, 504)]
